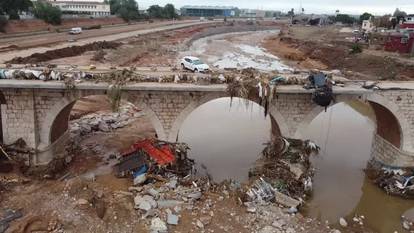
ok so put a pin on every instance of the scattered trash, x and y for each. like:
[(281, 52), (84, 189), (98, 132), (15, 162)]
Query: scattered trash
[(394, 181), (156, 157), (284, 167), (172, 219), (157, 225)]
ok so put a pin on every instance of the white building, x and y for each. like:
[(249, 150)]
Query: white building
[(93, 8), (252, 14), (367, 25)]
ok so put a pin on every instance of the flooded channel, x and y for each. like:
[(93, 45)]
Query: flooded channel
[(225, 141), (237, 50), (341, 189)]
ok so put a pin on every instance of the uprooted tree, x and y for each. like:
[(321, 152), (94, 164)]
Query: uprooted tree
[(48, 13)]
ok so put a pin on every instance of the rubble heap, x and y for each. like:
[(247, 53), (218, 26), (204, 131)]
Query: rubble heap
[(105, 122), (151, 157), (394, 181), (284, 173)]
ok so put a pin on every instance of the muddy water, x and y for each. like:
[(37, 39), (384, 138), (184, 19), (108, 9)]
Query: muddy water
[(226, 140), (341, 189), (237, 50)]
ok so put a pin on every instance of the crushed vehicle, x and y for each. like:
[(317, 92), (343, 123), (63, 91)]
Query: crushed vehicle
[(152, 156), (322, 95)]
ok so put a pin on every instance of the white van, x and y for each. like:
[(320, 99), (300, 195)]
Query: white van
[(75, 31)]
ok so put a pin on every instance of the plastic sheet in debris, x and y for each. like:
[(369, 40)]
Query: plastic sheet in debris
[(262, 192)]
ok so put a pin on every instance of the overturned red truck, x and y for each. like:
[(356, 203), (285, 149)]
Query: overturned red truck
[(155, 157)]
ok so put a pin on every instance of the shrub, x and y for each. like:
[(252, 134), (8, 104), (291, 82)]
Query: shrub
[(99, 55), (356, 48)]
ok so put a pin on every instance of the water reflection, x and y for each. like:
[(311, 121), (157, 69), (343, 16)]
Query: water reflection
[(345, 138), (345, 135), (226, 140)]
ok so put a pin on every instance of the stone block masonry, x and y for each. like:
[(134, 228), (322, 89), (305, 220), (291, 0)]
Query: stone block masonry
[(386, 153), (31, 108)]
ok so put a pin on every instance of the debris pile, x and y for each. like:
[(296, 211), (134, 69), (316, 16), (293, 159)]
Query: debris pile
[(44, 74), (163, 181), (283, 174), (105, 122), (152, 157), (17, 152), (64, 52), (249, 84), (394, 181)]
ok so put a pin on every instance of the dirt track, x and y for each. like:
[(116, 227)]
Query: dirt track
[(326, 48)]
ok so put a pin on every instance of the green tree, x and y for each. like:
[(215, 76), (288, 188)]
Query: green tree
[(48, 13), (13, 7), (365, 16), (126, 9), (399, 14), (155, 11), (169, 11), (345, 19)]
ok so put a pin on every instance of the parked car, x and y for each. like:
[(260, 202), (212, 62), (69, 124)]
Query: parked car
[(194, 64), (74, 31)]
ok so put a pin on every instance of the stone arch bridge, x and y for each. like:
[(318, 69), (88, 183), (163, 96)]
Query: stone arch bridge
[(38, 112)]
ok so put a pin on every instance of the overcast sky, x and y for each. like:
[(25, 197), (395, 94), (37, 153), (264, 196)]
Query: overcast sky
[(311, 6)]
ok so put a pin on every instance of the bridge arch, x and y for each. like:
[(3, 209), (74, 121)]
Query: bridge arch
[(391, 124), (56, 123), (277, 120)]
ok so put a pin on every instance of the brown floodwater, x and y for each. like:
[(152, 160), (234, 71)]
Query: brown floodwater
[(225, 141)]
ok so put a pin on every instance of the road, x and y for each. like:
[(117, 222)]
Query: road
[(48, 42), (54, 37)]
